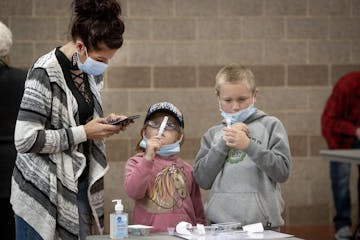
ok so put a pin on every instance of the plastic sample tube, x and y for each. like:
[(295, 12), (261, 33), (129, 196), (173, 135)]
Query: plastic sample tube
[(162, 126)]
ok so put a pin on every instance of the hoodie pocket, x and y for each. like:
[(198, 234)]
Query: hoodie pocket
[(245, 208)]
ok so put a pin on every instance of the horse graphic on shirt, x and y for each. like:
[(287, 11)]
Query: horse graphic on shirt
[(168, 189)]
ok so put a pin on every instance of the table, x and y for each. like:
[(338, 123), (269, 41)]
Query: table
[(160, 236), (150, 237), (345, 156), (342, 155)]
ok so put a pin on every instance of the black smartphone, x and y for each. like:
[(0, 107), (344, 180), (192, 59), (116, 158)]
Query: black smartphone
[(122, 121)]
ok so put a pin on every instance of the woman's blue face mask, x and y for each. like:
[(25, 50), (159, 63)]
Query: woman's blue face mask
[(91, 66)]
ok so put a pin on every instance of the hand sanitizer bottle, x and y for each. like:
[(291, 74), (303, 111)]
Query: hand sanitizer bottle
[(118, 222)]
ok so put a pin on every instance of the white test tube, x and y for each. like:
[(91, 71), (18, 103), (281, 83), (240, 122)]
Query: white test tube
[(162, 126), (228, 122)]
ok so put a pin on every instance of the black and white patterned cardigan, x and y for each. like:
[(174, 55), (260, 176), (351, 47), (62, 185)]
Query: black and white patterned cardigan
[(47, 135)]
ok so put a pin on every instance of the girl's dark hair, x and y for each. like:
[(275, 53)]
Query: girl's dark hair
[(96, 22)]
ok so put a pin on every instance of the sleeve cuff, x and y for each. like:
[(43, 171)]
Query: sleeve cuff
[(147, 164), (251, 149), (79, 134)]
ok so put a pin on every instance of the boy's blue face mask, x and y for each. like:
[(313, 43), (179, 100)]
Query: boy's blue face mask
[(165, 150), (239, 116), (90, 66)]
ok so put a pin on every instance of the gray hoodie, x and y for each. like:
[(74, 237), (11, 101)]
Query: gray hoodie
[(245, 183)]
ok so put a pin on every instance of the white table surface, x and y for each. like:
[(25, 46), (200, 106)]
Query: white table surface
[(160, 236)]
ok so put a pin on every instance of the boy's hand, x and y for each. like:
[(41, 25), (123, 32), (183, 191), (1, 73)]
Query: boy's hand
[(152, 146), (237, 136)]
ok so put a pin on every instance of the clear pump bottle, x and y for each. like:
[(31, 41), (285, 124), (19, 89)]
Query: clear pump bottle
[(118, 222)]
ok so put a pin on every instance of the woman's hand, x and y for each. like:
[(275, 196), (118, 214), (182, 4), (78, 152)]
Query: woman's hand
[(237, 136), (100, 128), (152, 146), (113, 117)]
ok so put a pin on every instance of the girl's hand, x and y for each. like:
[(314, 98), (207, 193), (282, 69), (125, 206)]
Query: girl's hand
[(99, 128), (152, 146), (237, 136)]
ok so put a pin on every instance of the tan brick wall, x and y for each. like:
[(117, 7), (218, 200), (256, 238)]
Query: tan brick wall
[(173, 48)]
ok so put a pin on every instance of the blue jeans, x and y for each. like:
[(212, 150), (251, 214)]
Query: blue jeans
[(24, 231), (85, 219), (340, 177)]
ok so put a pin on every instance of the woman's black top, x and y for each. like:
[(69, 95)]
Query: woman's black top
[(83, 96)]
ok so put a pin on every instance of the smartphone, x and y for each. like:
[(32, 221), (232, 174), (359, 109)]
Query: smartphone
[(122, 121)]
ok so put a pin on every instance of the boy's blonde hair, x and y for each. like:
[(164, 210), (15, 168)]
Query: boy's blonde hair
[(234, 73)]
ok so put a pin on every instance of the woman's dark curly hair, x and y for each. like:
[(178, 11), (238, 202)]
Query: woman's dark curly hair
[(97, 22)]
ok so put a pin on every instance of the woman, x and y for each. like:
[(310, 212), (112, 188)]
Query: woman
[(57, 183)]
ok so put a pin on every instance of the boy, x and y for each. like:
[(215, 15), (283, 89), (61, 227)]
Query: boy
[(244, 161), (159, 181)]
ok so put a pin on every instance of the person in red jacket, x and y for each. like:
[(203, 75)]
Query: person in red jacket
[(161, 183), (340, 123)]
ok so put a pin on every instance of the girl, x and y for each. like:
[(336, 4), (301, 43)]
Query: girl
[(159, 181)]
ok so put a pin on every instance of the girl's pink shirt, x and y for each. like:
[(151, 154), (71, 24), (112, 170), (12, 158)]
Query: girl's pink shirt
[(146, 180)]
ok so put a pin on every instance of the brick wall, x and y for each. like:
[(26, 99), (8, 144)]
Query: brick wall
[(173, 48)]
